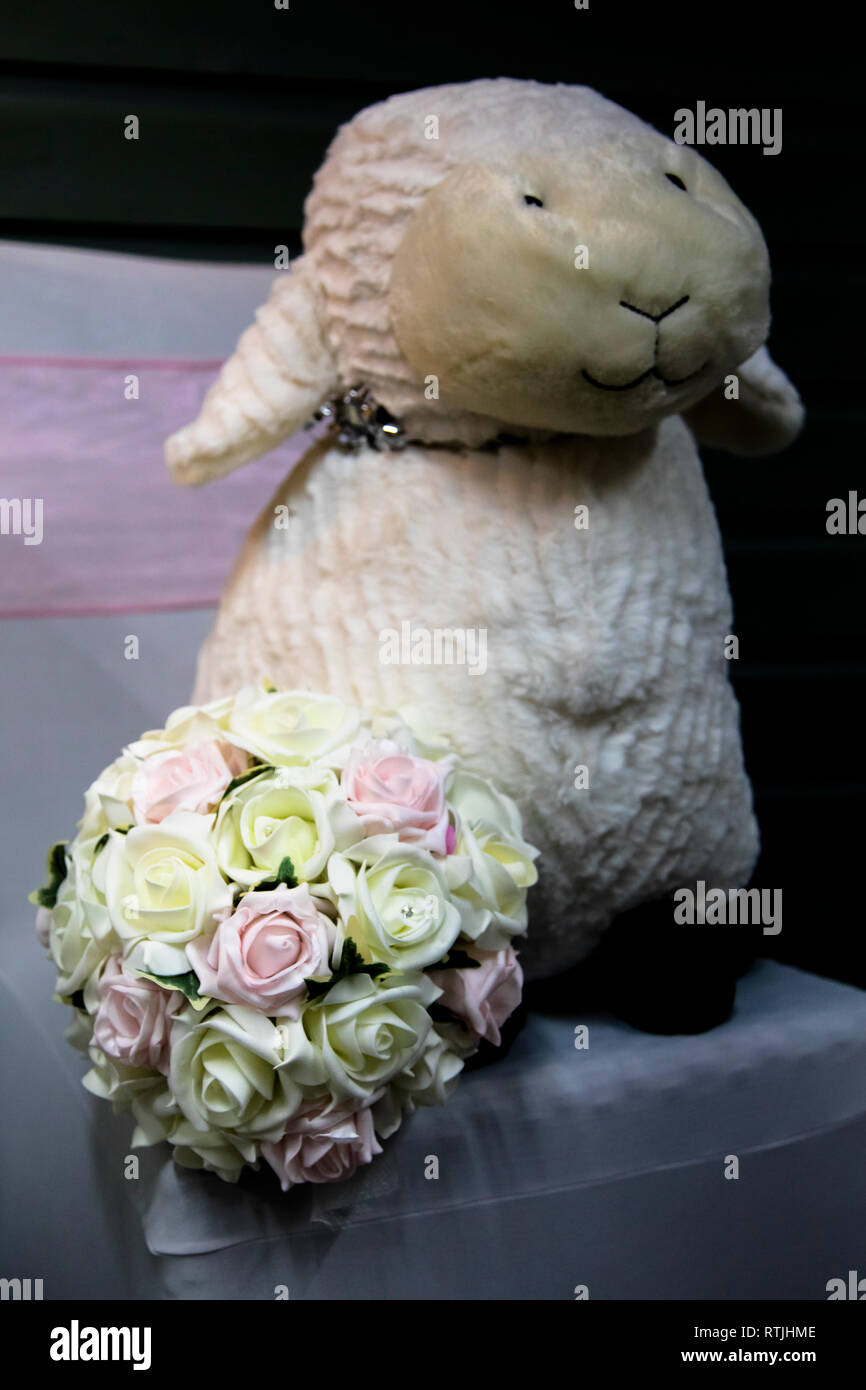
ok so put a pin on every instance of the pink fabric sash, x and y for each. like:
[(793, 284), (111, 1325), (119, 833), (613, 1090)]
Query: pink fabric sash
[(116, 534)]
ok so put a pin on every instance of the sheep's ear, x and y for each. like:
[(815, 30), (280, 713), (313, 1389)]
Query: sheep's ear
[(764, 417), (279, 373)]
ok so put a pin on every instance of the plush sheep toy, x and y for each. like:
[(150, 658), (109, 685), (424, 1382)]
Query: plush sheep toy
[(545, 303)]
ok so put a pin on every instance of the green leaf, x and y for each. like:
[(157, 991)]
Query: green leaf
[(351, 963), (103, 839), (75, 1001), (455, 959), (55, 865), (316, 988), (187, 983), (242, 777), (285, 875)]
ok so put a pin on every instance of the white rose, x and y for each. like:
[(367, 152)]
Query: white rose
[(397, 908), (429, 1081), (89, 862), (490, 876), (433, 1076), (358, 1036), (277, 816), (294, 726), (428, 741), (108, 800), (117, 1082), (77, 947), (389, 724), (79, 1031), (163, 888), (213, 1151), (226, 1073), (159, 1119), (387, 1112), (189, 724), (492, 866), (156, 1114), (476, 801)]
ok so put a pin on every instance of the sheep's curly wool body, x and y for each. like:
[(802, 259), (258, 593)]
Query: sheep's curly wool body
[(442, 274)]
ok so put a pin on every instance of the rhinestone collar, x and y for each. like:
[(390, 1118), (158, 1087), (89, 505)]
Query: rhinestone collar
[(357, 419)]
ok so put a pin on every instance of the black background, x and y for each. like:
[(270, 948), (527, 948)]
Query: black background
[(237, 103)]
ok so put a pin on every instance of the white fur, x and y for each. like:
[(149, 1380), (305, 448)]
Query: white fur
[(605, 645)]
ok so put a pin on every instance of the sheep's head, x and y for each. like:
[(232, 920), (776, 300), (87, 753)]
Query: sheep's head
[(591, 291), (506, 255)]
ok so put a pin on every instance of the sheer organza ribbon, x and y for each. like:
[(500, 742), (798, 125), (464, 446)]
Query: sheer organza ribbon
[(90, 521)]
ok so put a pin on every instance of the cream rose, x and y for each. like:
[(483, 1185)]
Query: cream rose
[(411, 724), (186, 779), (397, 908), (79, 1031), (108, 800), (189, 724), (156, 1114), (163, 888), (214, 1151), (323, 1142), (80, 935), (358, 1036), (225, 1073), (433, 1076), (277, 816), (89, 861), (264, 952), (294, 726), (391, 790), (489, 875), (159, 1119), (117, 1081), (477, 802)]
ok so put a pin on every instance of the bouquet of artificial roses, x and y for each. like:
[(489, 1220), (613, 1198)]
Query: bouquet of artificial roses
[(283, 924)]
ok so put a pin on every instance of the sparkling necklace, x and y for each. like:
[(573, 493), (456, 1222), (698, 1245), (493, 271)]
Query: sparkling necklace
[(357, 419)]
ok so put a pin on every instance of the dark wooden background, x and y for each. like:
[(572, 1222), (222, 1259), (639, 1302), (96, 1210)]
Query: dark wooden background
[(237, 103)]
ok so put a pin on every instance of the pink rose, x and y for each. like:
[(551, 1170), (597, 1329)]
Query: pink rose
[(393, 791), (43, 926), (483, 996), (134, 1017), (323, 1142), (190, 779), (262, 954)]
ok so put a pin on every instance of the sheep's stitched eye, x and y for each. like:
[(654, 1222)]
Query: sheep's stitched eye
[(531, 201), (677, 181)]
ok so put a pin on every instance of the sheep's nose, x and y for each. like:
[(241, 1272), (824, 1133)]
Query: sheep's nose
[(656, 318)]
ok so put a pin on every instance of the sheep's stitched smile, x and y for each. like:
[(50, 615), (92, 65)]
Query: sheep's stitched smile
[(653, 370), (639, 380)]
